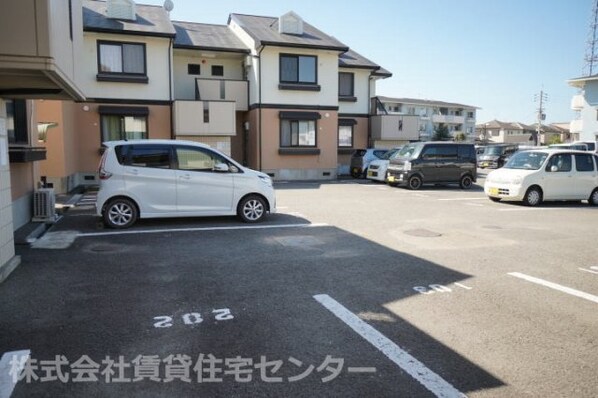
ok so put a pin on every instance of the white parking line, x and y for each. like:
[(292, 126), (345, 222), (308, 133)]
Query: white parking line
[(430, 380), (198, 229), (449, 199), (7, 383), (593, 270), (556, 286)]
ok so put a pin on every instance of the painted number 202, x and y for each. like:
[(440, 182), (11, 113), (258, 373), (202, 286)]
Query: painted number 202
[(436, 288), (192, 318)]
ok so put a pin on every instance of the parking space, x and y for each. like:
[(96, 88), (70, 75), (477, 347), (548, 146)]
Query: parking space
[(353, 289)]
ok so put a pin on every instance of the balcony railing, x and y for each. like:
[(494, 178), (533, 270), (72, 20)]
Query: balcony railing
[(224, 90), (216, 118), (576, 126), (448, 119), (577, 102)]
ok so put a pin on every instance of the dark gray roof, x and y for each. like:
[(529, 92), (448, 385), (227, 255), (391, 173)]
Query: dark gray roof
[(150, 21), (415, 101), (264, 30), (352, 59), (207, 37)]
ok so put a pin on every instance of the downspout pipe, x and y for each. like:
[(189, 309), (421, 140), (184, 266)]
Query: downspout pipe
[(259, 60), (170, 55)]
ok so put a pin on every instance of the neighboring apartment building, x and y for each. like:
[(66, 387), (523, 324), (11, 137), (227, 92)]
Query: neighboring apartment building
[(276, 94), (497, 132), (419, 119), (585, 126), (36, 61)]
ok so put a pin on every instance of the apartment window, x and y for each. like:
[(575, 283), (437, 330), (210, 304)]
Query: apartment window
[(298, 69), (193, 69), (16, 122), (123, 123), (297, 133), (119, 61), (206, 112), (346, 84), (470, 115), (217, 70)]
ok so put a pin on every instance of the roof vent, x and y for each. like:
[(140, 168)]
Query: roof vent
[(290, 23), (121, 9)]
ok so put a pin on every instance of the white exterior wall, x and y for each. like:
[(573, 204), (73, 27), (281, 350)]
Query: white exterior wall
[(7, 247), (157, 52), (327, 78), (361, 90), (251, 63), (184, 83)]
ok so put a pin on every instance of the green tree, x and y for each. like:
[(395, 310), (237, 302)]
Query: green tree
[(460, 136), (442, 133), (555, 139)]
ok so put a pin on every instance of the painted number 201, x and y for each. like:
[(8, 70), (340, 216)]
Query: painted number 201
[(430, 289), (192, 318)]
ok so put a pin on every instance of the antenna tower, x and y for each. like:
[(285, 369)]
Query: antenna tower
[(591, 58)]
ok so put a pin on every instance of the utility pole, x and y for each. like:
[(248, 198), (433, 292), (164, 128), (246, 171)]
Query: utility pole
[(541, 116)]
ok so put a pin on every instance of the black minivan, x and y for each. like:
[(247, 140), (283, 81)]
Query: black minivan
[(433, 163)]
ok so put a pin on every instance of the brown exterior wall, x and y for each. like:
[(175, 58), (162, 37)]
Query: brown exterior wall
[(21, 179), (237, 143), (74, 145), (253, 140), (360, 139), (326, 140)]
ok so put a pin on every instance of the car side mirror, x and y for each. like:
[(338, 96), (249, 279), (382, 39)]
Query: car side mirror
[(554, 169), (221, 168)]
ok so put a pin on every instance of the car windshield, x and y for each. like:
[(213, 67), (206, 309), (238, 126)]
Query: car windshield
[(527, 160), (493, 150), (389, 154), (409, 151)]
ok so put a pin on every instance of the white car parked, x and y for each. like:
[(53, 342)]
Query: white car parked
[(172, 178), (534, 176), (377, 168)]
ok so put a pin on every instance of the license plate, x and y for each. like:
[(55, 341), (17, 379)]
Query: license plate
[(391, 178), (493, 191), (485, 164), (355, 170)]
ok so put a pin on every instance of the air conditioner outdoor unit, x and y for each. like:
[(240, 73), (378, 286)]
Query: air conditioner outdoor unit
[(44, 205)]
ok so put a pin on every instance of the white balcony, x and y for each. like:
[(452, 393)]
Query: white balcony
[(576, 126), (577, 102), (395, 127), (204, 118), (448, 119), (224, 90)]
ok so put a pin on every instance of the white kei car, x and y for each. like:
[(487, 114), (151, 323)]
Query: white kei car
[(377, 168), (172, 178), (535, 176)]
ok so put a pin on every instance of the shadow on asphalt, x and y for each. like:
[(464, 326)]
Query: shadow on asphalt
[(98, 298)]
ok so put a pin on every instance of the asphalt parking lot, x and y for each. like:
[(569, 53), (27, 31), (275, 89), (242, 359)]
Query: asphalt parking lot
[(352, 289)]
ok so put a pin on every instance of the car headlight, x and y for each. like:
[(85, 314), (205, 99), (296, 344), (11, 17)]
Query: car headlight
[(266, 180), (407, 166)]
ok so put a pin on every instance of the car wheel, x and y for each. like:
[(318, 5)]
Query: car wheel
[(414, 183), (492, 198), (593, 199), (252, 209), (466, 182), (120, 213), (533, 197), (365, 173)]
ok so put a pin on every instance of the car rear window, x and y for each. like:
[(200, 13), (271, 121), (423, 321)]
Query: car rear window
[(584, 163), (359, 153)]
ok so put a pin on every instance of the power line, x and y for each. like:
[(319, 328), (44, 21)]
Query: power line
[(541, 97), (591, 56)]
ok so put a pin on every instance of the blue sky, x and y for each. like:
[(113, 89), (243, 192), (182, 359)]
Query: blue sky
[(488, 53)]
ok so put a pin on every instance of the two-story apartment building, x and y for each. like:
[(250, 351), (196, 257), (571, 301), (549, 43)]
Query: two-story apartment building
[(585, 103), (419, 119), (124, 69), (277, 94), (36, 61)]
